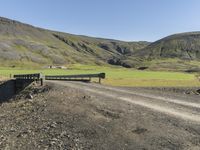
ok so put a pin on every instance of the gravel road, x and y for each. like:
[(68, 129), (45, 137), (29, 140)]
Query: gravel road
[(87, 116), (187, 108)]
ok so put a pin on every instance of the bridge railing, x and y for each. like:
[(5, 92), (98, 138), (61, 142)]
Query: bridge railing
[(35, 77), (81, 77)]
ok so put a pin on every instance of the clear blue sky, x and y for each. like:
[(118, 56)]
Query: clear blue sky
[(130, 20)]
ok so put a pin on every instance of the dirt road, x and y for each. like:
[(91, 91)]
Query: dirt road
[(186, 108), (83, 116)]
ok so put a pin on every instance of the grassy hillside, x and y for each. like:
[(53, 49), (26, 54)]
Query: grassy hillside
[(176, 52), (185, 46), (25, 45)]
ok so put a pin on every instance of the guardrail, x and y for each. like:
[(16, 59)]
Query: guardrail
[(81, 77), (35, 77)]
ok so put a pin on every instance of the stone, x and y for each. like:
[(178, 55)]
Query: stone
[(29, 96)]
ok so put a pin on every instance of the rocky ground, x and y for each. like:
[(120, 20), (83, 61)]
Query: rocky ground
[(60, 117)]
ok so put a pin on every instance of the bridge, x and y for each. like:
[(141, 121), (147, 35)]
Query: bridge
[(21, 81), (40, 77)]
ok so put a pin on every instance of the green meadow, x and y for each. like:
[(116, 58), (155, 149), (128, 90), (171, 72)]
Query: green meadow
[(118, 76)]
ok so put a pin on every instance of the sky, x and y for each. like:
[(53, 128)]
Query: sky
[(127, 20)]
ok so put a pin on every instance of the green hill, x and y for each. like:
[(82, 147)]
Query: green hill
[(185, 46), (23, 45), (176, 52)]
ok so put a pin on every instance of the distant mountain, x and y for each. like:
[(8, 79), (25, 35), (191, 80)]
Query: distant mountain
[(24, 45), (179, 52), (184, 46)]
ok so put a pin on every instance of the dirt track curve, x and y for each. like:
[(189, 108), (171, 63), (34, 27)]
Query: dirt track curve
[(183, 108)]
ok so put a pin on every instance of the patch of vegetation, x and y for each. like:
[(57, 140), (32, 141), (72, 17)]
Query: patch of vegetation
[(118, 76)]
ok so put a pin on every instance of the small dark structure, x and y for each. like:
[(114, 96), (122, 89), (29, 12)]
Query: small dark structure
[(142, 68)]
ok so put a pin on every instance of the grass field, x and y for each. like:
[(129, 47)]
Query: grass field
[(118, 76)]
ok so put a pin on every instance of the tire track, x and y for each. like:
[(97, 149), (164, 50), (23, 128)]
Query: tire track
[(123, 95), (176, 101)]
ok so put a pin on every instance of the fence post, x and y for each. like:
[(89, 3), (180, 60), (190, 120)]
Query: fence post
[(41, 79), (99, 80), (42, 82)]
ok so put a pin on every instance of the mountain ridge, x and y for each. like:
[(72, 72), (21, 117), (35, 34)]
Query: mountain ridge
[(46, 47), (26, 45)]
